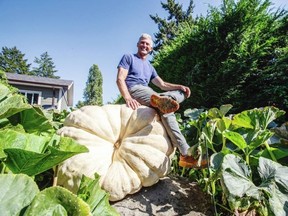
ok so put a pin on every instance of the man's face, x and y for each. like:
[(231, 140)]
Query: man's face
[(144, 46)]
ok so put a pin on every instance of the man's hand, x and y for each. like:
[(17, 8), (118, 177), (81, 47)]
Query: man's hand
[(132, 103), (186, 90), (170, 86), (121, 77)]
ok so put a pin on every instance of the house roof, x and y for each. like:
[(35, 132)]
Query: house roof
[(46, 82), (39, 80)]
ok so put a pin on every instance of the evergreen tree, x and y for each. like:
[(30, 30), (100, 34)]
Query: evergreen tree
[(168, 28), (12, 61), (236, 55), (79, 104), (93, 90), (46, 67)]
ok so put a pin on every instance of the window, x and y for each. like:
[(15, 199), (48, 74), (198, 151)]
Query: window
[(33, 97)]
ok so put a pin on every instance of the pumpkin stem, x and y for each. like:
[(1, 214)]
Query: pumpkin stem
[(118, 143)]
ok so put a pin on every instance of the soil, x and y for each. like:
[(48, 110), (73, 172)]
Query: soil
[(170, 196)]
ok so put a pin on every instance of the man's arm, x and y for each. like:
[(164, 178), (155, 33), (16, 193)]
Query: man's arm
[(121, 77), (170, 86)]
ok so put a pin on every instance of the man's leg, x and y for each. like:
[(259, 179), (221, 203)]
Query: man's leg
[(171, 125), (178, 140), (177, 95), (143, 94)]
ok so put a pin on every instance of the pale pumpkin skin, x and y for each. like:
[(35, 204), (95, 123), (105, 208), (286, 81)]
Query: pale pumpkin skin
[(127, 148)]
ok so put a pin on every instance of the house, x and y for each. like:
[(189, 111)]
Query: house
[(46, 92)]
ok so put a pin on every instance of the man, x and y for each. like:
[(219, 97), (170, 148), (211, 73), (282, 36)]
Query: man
[(134, 74)]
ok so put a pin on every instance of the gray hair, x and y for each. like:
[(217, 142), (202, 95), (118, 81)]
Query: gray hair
[(146, 36)]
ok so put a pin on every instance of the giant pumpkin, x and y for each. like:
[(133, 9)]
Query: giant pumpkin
[(128, 148)]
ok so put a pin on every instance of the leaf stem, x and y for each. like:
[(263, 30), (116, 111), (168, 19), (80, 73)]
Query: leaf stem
[(270, 152)]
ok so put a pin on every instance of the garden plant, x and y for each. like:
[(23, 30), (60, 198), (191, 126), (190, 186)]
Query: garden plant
[(248, 158), (29, 150)]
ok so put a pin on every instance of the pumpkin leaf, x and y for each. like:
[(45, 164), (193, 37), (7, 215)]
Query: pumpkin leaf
[(257, 138), (16, 192), (275, 179), (21, 160), (14, 139), (243, 120), (236, 176), (11, 104), (224, 109), (257, 118), (57, 201), (238, 181), (98, 199), (278, 201), (279, 153), (4, 92), (271, 171), (34, 120), (235, 138)]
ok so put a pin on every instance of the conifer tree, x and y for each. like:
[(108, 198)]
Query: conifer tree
[(46, 67), (168, 27), (237, 55), (93, 90), (12, 61)]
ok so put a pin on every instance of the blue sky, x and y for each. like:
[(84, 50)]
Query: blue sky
[(77, 34)]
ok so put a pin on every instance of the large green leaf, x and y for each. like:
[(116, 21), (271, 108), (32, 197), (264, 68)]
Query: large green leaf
[(272, 171), (32, 163), (11, 104), (257, 118), (4, 92), (35, 121), (275, 179), (269, 114), (16, 192), (57, 201), (278, 201), (98, 199), (223, 124), (257, 138), (237, 177), (17, 140), (243, 120), (236, 138), (219, 113), (277, 152)]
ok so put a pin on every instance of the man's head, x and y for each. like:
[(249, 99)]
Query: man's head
[(146, 36), (145, 45)]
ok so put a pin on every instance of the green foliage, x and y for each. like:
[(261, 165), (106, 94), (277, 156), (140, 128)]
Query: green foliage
[(236, 55), (12, 61), (57, 201), (30, 149), (168, 28), (98, 200), (80, 104), (238, 145), (46, 67), (22, 155), (18, 190), (268, 197), (93, 90), (119, 100)]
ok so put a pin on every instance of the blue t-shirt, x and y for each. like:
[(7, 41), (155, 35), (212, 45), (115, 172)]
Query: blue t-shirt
[(140, 71)]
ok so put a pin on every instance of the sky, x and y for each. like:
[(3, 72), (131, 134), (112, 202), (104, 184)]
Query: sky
[(77, 34)]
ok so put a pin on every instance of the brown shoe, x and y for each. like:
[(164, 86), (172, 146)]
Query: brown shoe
[(164, 103), (191, 162)]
